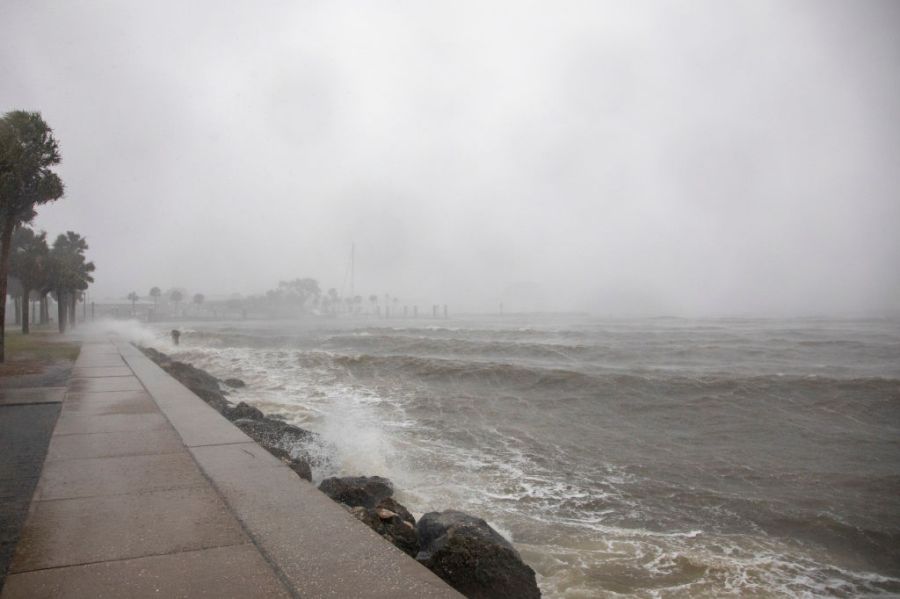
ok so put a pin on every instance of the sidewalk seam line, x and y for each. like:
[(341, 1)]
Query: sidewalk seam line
[(124, 559), (145, 491), (108, 432)]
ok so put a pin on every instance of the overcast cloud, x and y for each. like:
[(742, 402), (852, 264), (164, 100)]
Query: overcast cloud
[(628, 158)]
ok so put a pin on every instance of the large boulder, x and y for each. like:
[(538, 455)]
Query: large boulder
[(473, 558), (157, 356), (214, 398), (269, 432), (369, 499), (391, 504), (357, 491), (243, 411), (299, 465), (192, 377), (390, 525), (234, 383)]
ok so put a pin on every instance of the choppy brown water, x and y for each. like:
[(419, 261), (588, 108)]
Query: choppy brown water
[(646, 458)]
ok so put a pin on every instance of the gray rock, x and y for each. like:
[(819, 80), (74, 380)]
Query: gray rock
[(391, 504), (243, 411), (357, 491), (390, 526), (302, 468), (213, 398), (192, 377), (274, 433), (473, 558), (369, 499), (235, 383), (299, 465)]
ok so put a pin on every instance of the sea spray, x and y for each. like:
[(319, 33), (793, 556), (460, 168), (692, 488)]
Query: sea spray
[(131, 331), (350, 422)]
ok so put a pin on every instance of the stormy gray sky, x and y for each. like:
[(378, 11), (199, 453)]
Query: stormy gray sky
[(625, 158)]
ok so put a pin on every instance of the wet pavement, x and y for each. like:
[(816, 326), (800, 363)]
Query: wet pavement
[(148, 492)]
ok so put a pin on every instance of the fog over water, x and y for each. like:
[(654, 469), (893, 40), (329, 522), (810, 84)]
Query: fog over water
[(698, 158)]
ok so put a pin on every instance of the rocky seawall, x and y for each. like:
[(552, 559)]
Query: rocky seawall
[(462, 549)]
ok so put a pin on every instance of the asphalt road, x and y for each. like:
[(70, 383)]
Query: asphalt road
[(25, 430)]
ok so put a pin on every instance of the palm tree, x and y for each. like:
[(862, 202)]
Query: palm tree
[(68, 274), (14, 290), (80, 273), (198, 299), (133, 296), (44, 304), (28, 263), (155, 292), (28, 150), (176, 296)]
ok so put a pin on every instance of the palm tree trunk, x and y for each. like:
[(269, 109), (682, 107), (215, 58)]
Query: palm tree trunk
[(61, 310), (5, 243), (25, 322), (72, 318), (44, 310), (17, 306)]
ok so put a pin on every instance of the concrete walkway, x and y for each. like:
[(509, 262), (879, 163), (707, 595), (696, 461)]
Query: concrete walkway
[(147, 491)]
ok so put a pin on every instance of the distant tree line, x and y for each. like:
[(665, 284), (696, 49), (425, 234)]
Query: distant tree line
[(304, 296), (174, 296), (290, 298)]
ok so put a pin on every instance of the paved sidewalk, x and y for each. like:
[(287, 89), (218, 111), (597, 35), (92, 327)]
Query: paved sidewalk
[(147, 491)]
